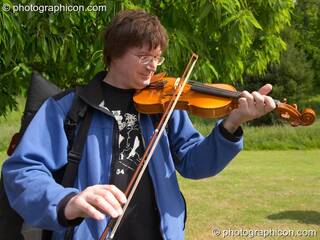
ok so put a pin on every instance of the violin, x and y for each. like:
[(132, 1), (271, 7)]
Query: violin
[(207, 100)]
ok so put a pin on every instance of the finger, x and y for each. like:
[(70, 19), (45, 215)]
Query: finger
[(265, 89), (120, 196), (249, 99), (99, 203), (259, 106), (243, 105), (111, 199), (89, 210), (269, 104)]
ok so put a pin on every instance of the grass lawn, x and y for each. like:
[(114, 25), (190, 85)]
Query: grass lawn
[(259, 190)]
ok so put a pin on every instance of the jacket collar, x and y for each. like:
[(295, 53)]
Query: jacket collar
[(92, 93)]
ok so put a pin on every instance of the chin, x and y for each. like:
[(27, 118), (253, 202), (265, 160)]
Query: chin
[(146, 82), (141, 85)]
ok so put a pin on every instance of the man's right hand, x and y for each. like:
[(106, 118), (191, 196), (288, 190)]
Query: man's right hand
[(96, 202)]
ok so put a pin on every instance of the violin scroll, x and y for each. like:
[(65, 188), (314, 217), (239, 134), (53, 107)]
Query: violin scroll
[(291, 114)]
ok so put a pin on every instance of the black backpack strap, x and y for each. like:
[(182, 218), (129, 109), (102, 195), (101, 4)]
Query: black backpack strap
[(76, 145), (81, 113)]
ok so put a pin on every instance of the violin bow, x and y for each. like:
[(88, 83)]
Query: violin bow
[(134, 181)]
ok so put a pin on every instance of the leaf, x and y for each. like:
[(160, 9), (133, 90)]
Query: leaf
[(96, 55), (228, 20), (205, 11), (44, 47), (254, 21), (212, 68)]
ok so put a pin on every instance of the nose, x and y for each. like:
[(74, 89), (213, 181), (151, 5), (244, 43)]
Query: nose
[(152, 65)]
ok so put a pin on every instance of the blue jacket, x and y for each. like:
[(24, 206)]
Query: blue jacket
[(34, 194)]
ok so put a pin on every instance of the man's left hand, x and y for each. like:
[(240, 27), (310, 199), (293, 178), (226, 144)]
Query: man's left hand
[(251, 106)]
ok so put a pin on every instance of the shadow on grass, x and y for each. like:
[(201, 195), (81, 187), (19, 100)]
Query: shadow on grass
[(306, 217)]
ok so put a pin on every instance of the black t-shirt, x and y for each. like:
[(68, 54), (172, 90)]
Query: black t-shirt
[(141, 220)]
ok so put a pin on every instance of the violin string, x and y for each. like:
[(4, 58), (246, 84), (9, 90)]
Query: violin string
[(194, 83), (228, 92), (215, 90)]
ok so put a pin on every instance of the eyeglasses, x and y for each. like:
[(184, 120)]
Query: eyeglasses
[(145, 60)]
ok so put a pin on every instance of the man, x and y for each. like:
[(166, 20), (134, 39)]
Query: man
[(134, 43)]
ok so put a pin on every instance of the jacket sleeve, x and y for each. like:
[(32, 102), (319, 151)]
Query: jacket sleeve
[(29, 183), (197, 156)]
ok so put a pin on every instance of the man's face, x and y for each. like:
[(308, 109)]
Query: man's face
[(133, 70)]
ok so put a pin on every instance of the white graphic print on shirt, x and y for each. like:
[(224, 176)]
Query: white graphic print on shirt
[(128, 143)]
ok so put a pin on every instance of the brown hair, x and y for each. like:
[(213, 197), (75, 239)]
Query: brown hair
[(132, 28)]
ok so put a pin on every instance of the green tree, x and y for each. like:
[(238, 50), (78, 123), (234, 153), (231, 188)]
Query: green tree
[(306, 21), (292, 78), (297, 76), (64, 46), (233, 38)]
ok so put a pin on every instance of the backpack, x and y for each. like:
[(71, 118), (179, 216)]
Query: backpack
[(11, 223)]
